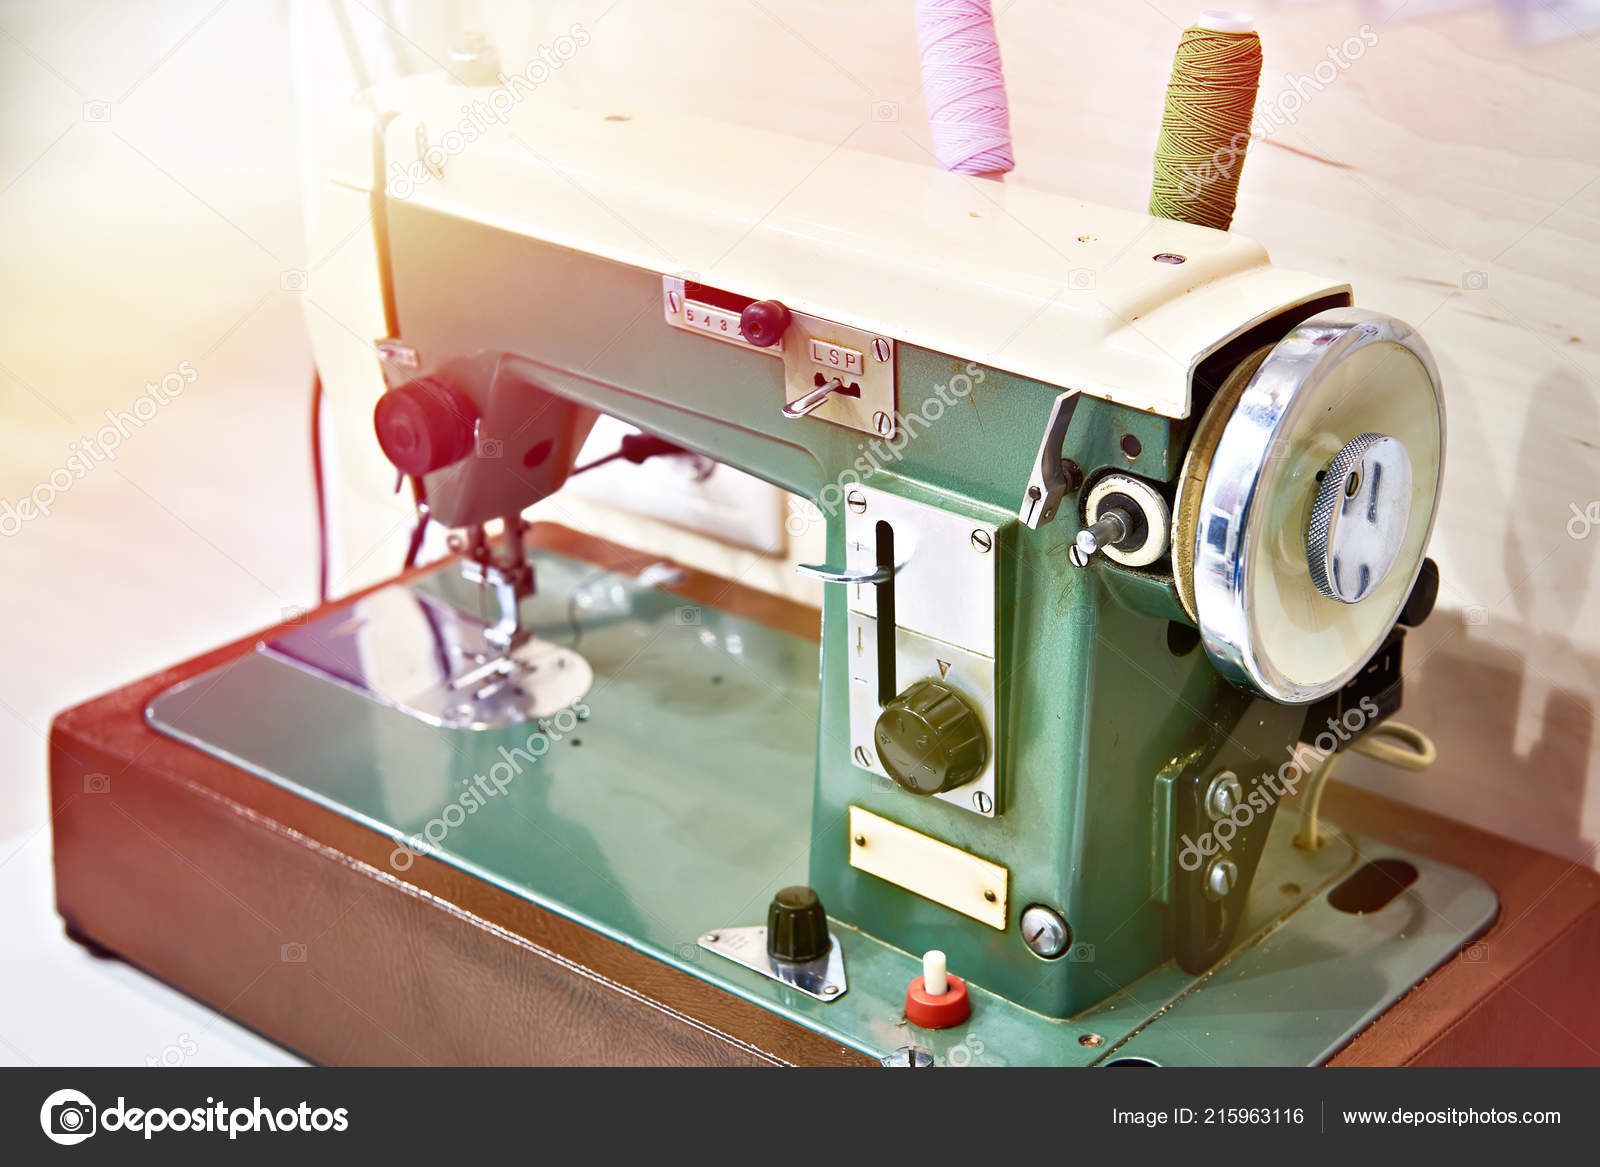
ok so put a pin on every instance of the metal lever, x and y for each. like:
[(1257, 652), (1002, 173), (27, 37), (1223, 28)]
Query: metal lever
[(850, 575), (1046, 485), (1108, 530), (813, 401)]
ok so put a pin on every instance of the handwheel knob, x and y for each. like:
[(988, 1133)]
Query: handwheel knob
[(425, 425), (1359, 517)]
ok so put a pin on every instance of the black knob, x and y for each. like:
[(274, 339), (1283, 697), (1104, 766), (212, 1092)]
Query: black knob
[(930, 740), (425, 425), (1419, 604), (764, 322), (797, 927)]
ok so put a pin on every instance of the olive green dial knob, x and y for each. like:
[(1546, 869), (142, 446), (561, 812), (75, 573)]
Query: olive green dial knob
[(930, 740)]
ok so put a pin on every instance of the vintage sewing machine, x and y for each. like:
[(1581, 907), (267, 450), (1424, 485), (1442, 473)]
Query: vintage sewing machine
[(1117, 514)]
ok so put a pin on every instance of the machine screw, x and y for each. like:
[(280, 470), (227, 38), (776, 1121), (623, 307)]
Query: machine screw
[(1223, 795), (473, 60), (982, 541), (1044, 932), (674, 303), (395, 352), (883, 423), (908, 1057), (881, 349), (856, 501), (1220, 878), (982, 803)]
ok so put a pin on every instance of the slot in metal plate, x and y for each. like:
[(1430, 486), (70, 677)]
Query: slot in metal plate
[(945, 623)]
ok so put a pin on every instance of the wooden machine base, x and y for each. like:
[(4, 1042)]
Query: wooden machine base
[(289, 918)]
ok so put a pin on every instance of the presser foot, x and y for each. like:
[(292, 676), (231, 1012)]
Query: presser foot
[(425, 658)]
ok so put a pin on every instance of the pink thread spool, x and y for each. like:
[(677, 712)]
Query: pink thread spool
[(964, 86)]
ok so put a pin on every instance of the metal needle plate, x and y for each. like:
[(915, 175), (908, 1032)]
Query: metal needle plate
[(407, 650)]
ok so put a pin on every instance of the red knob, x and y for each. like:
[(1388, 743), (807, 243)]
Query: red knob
[(425, 425), (764, 322)]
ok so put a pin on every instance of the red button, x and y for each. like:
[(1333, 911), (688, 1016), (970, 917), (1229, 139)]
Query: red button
[(930, 1012)]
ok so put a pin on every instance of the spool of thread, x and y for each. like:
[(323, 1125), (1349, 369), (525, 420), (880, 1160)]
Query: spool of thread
[(964, 86), (1205, 128)]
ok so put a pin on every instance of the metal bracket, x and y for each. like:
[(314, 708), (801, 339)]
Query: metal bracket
[(822, 979), (1046, 485)]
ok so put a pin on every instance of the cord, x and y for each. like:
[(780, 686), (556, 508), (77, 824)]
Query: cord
[(419, 498), (1417, 753), (635, 448), (319, 487)]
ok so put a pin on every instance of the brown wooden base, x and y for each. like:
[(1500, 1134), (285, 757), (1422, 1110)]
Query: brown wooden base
[(288, 917)]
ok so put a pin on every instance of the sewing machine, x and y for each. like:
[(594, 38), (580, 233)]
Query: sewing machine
[(1117, 515)]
